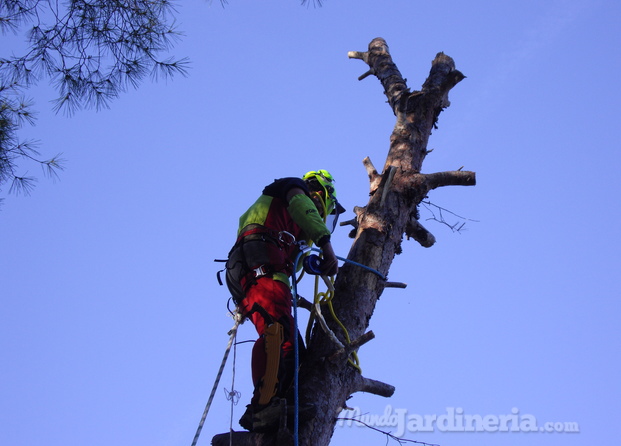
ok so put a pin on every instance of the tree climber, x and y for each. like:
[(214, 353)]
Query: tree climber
[(258, 274)]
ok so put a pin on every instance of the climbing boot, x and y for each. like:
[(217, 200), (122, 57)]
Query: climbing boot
[(262, 418), (246, 419), (268, 418)]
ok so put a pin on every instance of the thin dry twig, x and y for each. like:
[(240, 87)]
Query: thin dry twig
[(455, 227), (388, 434)]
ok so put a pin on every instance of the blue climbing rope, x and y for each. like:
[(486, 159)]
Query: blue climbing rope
[(374, 271), (296, 348)]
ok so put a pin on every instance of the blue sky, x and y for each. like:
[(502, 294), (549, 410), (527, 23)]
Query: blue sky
[(113, 325)]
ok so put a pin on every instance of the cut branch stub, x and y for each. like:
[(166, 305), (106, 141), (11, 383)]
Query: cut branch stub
[(451, 178), (375, 387), (374, 177), (419, 233), (442, 77), (353, 346), (248, 439)]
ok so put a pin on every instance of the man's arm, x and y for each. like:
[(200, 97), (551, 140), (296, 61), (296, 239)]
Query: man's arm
[(310, 221)]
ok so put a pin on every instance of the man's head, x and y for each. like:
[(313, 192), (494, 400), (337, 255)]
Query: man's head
[(321, 186)]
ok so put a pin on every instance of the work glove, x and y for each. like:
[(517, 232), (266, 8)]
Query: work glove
[(329, 264)]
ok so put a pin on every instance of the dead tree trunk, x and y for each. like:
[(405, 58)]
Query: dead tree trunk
[(326, 378)]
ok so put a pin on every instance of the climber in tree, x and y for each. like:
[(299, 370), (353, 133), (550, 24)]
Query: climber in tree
[(258, 273)]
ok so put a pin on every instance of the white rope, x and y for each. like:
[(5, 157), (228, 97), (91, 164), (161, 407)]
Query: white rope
[(324, 325), (233, 395), (233, 334)]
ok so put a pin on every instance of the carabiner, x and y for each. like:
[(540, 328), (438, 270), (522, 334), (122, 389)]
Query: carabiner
[(289, 242), (303, 247)]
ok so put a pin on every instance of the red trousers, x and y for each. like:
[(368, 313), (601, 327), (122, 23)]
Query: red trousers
[(275, 298)]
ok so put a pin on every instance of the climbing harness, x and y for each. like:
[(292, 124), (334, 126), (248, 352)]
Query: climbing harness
[(258, 252)]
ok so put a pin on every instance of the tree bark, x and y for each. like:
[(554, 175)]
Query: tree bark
[(326, 377)]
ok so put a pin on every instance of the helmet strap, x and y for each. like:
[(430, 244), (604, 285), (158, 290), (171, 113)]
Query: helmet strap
[(318, 199)]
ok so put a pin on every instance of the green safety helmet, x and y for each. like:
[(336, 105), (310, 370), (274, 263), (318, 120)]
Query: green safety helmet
[(321, 182)]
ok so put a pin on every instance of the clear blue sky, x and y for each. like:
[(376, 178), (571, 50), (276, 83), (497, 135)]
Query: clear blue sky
[(113, 326)]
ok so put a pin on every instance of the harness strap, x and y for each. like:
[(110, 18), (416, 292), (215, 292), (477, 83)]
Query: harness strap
[(264, 270), (257, 229), (256, 308)]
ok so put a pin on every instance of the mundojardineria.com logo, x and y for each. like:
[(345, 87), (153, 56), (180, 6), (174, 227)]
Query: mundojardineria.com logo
[(455, 419)]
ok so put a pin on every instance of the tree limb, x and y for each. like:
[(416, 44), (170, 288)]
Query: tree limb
[(450, 178), (250, 439), (375, 387), (374, 177), (419, 233), (352, 346)]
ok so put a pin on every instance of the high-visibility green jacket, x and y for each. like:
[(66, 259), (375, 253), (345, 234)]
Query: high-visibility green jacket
[(298, 217)]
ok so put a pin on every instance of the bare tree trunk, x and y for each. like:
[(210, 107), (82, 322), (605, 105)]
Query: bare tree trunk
[(326, 377)]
